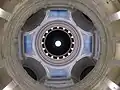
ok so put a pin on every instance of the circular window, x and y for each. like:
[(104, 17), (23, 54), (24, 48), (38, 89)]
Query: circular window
[(58, 43)]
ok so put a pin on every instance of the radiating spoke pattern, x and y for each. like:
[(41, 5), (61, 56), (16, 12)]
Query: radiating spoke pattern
[(5, 15), (10, 86), (115, 16), (88, 45), (111, 84)]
